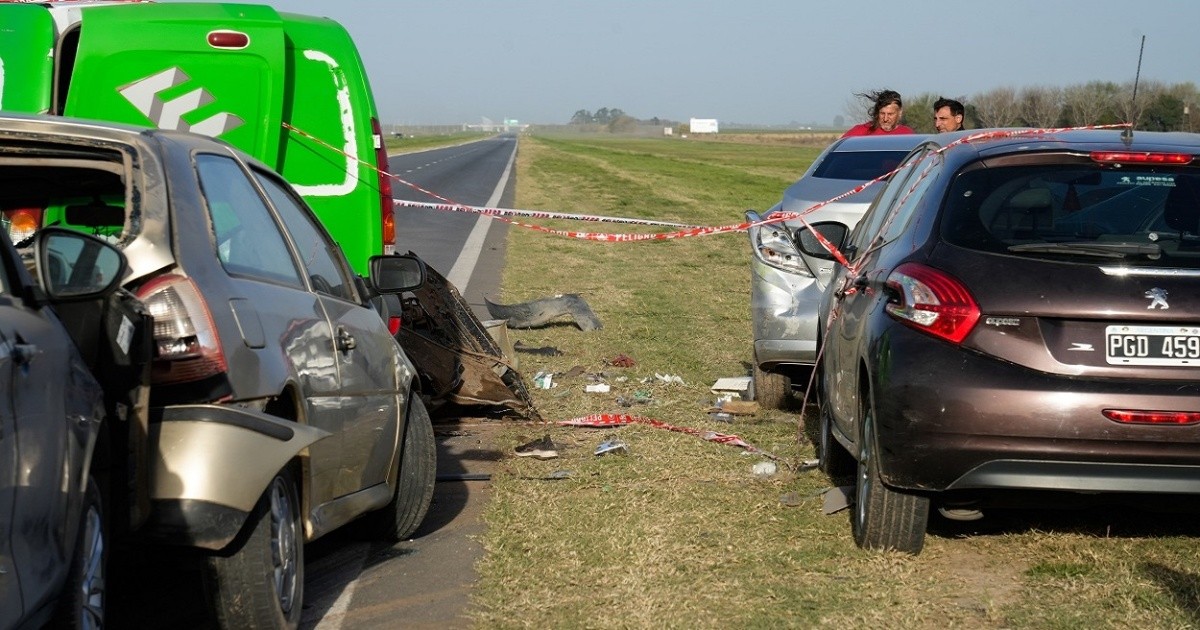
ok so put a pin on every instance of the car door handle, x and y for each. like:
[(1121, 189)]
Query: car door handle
[(345, 341)]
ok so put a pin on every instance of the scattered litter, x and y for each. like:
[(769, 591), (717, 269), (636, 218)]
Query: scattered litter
[(540, 312), (546, 351), (642, 396), (837, 499), (621, 379), (809, 464), (543, 448), (736, 407), (614, 446), (598, 388), (604, 420), (791, 499), (622, 360), (543, 380), (720, 416), (573, 372), (560, 474), (734, 387), (764, 469), (669, 379)]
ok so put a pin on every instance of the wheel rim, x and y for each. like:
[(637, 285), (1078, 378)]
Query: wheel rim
[(862, 489), (93, 582), (284, 544)]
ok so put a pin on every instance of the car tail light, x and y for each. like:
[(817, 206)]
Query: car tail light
[(23, 223), (387, 207), (187, 347), (932, 301), (1135, 416), (1130, 157)]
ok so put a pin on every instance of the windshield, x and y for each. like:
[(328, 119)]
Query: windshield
[(858, 165), (1141, 214)]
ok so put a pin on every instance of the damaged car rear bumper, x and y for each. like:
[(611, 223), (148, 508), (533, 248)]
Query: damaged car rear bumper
[(210, 464)]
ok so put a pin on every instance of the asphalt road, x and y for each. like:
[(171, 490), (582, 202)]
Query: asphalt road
[(466, 248), (423, 582)]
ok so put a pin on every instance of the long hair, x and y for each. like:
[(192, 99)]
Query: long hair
[(880, 99)]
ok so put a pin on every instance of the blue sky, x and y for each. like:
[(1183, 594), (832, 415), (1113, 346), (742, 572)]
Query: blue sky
[(753, 61)]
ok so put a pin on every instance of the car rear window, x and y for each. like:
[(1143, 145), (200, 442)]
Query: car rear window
[(858, 165), (1080, 211)]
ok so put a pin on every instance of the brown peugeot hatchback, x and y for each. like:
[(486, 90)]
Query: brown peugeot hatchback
[(1021, 314)]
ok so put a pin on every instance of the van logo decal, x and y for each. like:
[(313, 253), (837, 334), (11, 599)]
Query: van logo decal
[(144, 94), (349, 148)]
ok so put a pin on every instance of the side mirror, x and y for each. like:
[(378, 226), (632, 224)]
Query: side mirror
[(832, 231), (76, 266), (396, 274)]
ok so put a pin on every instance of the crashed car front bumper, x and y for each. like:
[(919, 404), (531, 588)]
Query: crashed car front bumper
[(783, 314)]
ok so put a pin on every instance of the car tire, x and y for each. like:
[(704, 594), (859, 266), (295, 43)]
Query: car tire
[(417, 474), (83, 599), (261, 584), (772, 390), (834, 460), (884, 518)]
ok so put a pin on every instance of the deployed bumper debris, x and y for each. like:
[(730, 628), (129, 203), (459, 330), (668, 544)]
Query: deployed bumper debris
[(458, 361), (541, 312)]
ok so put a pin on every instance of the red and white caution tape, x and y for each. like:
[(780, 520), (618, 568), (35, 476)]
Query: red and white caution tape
[(684, 231), (604, 420)]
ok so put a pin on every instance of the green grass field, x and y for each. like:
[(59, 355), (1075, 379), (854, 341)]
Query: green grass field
[(679, 533)]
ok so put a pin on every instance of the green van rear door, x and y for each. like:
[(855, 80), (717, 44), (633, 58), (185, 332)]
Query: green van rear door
[(214, 69), (26, 61)]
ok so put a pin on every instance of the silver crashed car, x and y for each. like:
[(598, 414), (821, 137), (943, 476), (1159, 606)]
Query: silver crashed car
[(280, 407), (786, 285)]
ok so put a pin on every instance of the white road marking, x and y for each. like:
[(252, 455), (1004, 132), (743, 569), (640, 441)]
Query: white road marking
[(460, 273)]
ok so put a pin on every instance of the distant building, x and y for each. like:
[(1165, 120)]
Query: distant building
[(703, 125)]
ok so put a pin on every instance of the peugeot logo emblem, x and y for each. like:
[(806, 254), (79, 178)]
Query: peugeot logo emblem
[(1158, 299)]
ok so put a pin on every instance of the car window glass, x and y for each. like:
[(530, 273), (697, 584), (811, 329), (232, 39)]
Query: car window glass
[(1147, 215), (317, 252), (924, 175), (858, 165), (870, 225), (248, 239)]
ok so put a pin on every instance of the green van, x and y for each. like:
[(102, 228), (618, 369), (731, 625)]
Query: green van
[(289, 89)]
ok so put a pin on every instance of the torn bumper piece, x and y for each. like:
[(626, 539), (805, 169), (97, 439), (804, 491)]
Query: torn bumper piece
[(209, 466)]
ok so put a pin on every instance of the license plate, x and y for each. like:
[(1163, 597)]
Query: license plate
[(1152, 345)]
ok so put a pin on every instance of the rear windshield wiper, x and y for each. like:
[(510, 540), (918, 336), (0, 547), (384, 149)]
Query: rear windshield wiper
[(1098, 249)]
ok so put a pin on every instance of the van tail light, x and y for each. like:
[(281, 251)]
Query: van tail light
[(187, 347), (1135, 416), (387, 207), (932, 301), (23, 222)]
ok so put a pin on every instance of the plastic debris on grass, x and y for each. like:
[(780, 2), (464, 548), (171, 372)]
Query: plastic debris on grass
[(541, 448), (612, 446)]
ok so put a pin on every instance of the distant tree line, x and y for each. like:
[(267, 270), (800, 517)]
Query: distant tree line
[(1157, 107), (614, 120)]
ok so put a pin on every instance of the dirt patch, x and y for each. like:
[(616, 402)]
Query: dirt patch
[(975, 579)]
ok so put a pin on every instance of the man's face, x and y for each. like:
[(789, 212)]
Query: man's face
[(944, 121), (888, 117)]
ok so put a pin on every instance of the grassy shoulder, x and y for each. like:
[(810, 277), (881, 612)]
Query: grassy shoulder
[(679, 532)]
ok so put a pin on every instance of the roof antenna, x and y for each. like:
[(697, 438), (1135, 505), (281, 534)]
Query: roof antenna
[(1127, 135)]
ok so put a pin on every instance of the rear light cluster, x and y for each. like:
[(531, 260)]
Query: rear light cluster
[(1131, 416), (932, 301), (1131, 157), (387, 207), (23, 223), (187, 347)]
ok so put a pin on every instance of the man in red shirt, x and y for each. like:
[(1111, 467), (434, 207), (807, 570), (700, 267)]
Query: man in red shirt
[(885, 112)]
